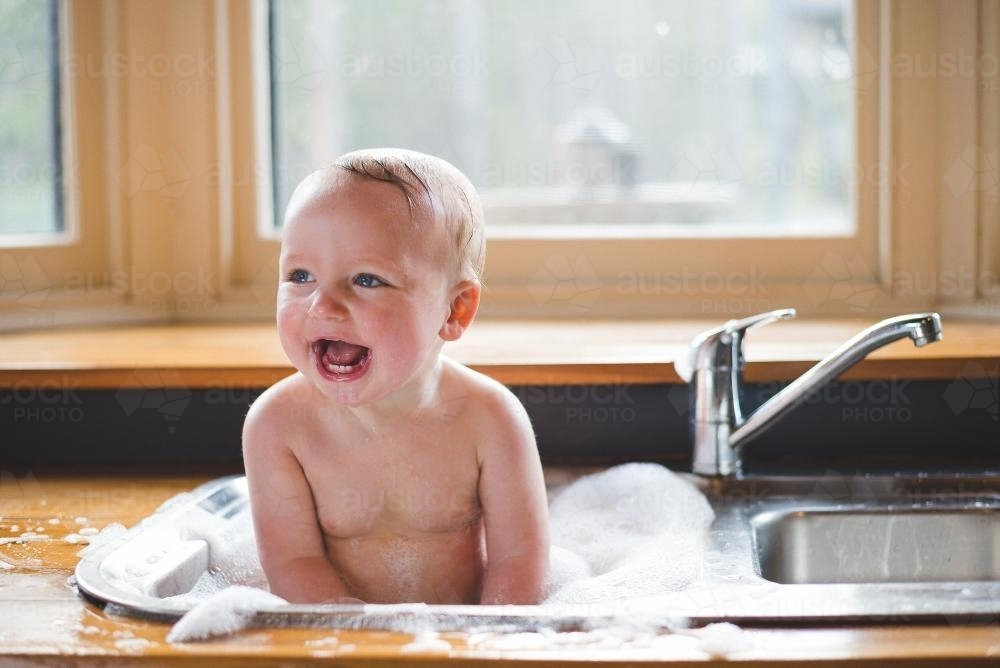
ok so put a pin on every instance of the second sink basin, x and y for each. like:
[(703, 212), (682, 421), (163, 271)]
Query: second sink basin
[(860, 545)]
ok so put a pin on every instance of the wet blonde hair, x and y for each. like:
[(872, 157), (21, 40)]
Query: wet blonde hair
[(429, 180)]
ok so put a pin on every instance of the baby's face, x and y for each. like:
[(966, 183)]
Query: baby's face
[(363, 291)]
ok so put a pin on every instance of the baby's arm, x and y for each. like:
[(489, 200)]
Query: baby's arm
[(515, 510), (289, 538)]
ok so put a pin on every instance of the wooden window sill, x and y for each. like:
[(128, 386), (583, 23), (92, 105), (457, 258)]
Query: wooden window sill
[(515, 352)]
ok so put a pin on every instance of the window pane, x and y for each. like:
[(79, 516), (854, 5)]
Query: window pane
[(30, 180), (689, 117)]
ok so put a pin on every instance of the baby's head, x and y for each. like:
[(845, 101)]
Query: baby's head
[(381, 259), (431, 186)]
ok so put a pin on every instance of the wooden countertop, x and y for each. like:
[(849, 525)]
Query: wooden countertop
[(44, 621), (513, 351)]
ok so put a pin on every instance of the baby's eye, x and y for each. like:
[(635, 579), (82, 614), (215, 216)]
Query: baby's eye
[(299, 276), (369, 281)]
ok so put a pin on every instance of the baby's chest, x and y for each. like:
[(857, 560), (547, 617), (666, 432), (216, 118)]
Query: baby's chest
[(397, 495)]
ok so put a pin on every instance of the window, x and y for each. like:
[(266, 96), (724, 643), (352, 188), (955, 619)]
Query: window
[(30, 158), (618, 147), (693, 118)]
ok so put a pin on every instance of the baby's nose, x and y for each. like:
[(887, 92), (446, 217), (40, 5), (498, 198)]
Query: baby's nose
[(327, 303)]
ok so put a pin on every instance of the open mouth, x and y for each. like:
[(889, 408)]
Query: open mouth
[(340, 360)]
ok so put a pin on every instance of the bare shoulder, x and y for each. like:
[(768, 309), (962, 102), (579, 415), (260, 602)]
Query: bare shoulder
[(270, 419), (493, 409)]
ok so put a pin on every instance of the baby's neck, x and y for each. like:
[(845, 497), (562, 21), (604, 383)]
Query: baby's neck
[(419, 395)]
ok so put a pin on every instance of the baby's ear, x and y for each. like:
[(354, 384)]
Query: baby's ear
[(462, 309)]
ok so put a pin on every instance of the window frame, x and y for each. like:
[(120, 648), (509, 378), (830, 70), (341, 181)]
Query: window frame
[(84, 239)]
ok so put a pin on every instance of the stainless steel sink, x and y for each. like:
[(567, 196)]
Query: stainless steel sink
[(932, 544), (828, 549)]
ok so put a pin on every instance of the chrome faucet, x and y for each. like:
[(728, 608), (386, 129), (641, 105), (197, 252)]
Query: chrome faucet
[(714, 368)]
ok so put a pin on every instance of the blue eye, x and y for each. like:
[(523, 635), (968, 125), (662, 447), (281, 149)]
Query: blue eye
[(299, 276), (368, 281)]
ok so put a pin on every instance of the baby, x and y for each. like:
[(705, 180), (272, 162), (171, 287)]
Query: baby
[(382, 471)]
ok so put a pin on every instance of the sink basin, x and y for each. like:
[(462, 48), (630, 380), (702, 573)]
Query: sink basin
[(805, 549), (879, 545)]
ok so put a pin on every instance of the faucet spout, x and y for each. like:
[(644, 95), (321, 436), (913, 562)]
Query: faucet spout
[(714, 369), (922, 328)]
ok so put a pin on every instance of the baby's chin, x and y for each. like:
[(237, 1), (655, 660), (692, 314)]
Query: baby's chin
[(347, 395)]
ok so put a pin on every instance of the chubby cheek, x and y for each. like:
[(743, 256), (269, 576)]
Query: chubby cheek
[(409, 340), (290, 322)]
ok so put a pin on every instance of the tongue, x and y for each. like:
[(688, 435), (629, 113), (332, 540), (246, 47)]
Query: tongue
[(338, 352)]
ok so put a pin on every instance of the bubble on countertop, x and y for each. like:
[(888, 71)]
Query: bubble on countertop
[(228, 611), (26, 537), (721, 639), (426, 641), (327, 642), (132, 645), (109, 533)]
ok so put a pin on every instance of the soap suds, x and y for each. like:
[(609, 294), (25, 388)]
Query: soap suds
[(721, 639), (639, 529), (630, 534), (132, 645), (227, 612), (106, 535), (26, 537), (426, 641)]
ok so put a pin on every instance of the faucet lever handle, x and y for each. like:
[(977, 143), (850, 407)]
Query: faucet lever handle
[(705, 347), (739, 327)]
